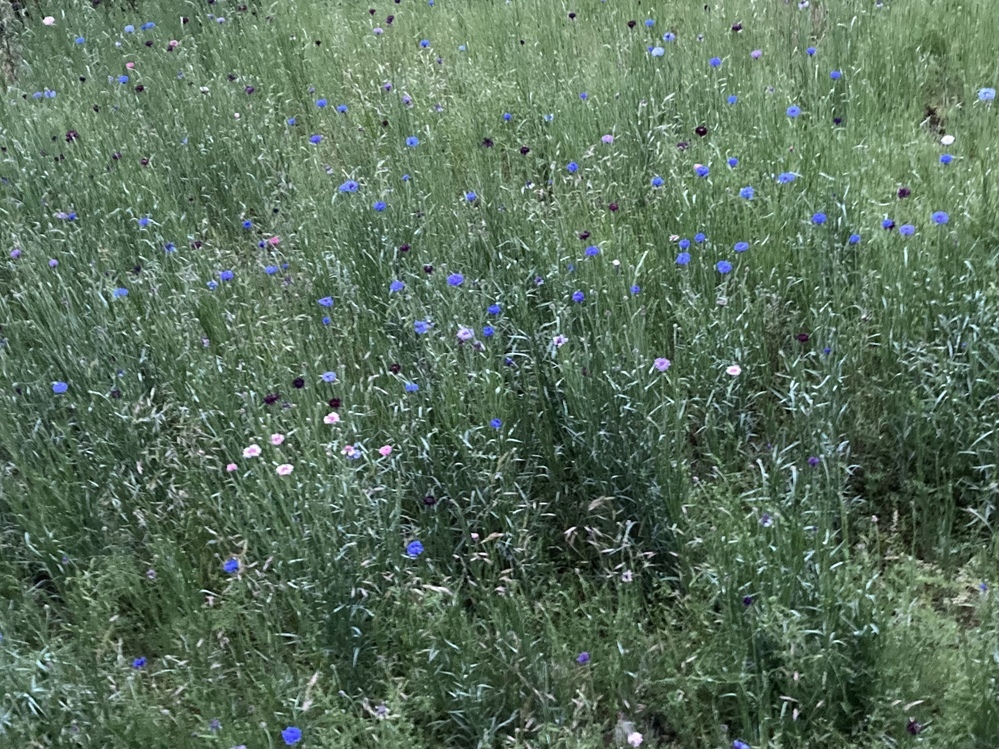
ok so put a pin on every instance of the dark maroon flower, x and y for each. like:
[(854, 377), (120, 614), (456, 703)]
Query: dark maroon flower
[(584, 235), (384, 123), (631, 24), (388, 21), (802, 337), (904, 192), (913, 727), (71, 135), (683, 145), (371, 11), (196, 244), (837, 120), (428, 269), (185, 20), (701, 130), (249, 89), (813, 461), (116, 393), (524, 150), (395, 368), (429, 500), (747, 601), (231, 77), (334, 403), (487, 142), (83, 79), (140, 88), (736, 27), (137, 269), (298, 383), (319, 43), (271, 398), (116, 155), (572, 16), (97, 107), (149, 42), (404, 248), (144, 162), (613, 207)]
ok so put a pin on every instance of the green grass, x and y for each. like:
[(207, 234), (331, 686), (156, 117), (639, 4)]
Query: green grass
[(669, 524)]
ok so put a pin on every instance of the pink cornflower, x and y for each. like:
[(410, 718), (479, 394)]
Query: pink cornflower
[(252, 451), (385, 450), (48, 21), (465, 334), (231, 467), (331, 418), (130, 65), (349, 450), (274, 241), (284, 469), (560, 340), (634, 739), (661, 364), (756, 54), (735, 370), (608, 139), (277, 439)]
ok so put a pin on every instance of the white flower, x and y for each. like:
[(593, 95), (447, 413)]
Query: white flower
[(947, 140), (634, 739)]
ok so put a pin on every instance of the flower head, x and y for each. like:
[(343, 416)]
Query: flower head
[(939, 217), (657, 181), (819, 218), (986, 94), (412, 141), (683, 258), (733, 371), (785, 177), (465, 334), (231, 566), (291, 735), (793, 111), (252, 451), (139, 663), (661, 364), (747, 192), (634, 739), (907, 230), (715, 62), (331, 418), (723, 267), (741, 246), (284, 469), (835, 75), (578, 296), (379, 206), (414, 549), (455, 279), (59, 387), (583, 658), (277, 438), (572, 167)]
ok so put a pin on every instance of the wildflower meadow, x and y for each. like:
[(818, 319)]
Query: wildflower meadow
[(499, 374)]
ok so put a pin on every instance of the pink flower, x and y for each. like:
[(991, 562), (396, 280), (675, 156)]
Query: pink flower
[(130, 65), (560, 340), (173, 43), (284, 469), (465, 334), (252, 451), (331, 418), (349, 450), (48, 21), (277, 439), (608, 139), (231, 467), (756, 54), (661, 364), (385, 450), (274, 240), (634, 739), (735, 370)]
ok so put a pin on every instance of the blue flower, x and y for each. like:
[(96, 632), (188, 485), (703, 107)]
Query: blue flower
[(412, 141), (348, 186), (854, 239), (59, 387), (470, 196), (412, 387), (396, 286), (657, 181), (939, 217), (129, 29), (819, 218), (836, 75), (328, 377), (739, 744), (315, 139), (406, 178), (326, 301), (326, 321), (496, 423), (144, 221), (212, 285), (379, 206), (549, 117), (123, 79), (584, 96), (291, 735), (785, 177), (148, 25), (733, 162), (683, 258), (793, 111), (583, 658), (493, 309), (488, 331), (119, 292), (986, 94), (746, 192), (946, 158), (732, 99), (270, 270), (810, 51), (341, 108), (741, 246), (887, 224), (455, 279), (231, 566), (700, 238), (81, 40), (139, 663), (683, 244), (907, 230), (226, 275), (649, 23), (414, 549), (592, 250), (657, 51), (424, 43), (578, 296), (507, 117), (169, 247), (723, 266), (321, 103), (248, 224), (636, 289), (715, 62), (669, 36), (290, 121), (421, 327), (572, 167), (702, 171)]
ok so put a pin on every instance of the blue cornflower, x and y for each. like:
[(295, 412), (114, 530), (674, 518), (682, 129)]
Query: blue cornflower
[(702, 171), (212, 285), (907, 230), (578, 296), (507, 117), (836, 75), (592, 250), (119, 292), (723, 266), (36, 95), (321, 103), (379, 206), (421, 327), (315, 139), (715, 62), (683, 258), (396, 286), (573, 167), (584, 96), (148, 25), (139, 663), (741, 246), (657, 51), (226, 275), (819, 218), (986, 94), (406, 178), (348, 186), (785, 177), (793, 111), (59, 387), (326, 321), (733, 162), (683, 244), (810, 51), (747, 193), (129, 29), (412, 387), (700, 238), (939, 217), (123, 79), (732, 99), (455, 279), (470, 196), (144, 221), (649, 23), (414, 549), (496, 423), (79, 40), (657, 181), (583, 658), (290, 121), (169, 247), (328, 377), (341, 108), (424, 43), (326, 301), (946, 158), (669, 36), (737, 744), (887, 224), (854, 239), (549, 117), (231, 566), (412, 141), (291, 735), (247, 224), (488, 331), (270, 270), (635, 289), (493, 309)]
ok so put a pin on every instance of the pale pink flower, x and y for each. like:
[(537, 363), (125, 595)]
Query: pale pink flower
[(735, 370), (560, 340), (284, 469), (331, 418), (252, 451), (274, 240), (673, 237), (231, 467), (174, 43), (385, 450), (465, 334), (608, 139), (130, 65), (349, 450), (634, 739), (662, 364), (277, 439), (48, 21)]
